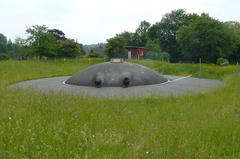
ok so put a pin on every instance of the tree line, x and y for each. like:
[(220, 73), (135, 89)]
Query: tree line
[(178, 36), (182, 36), (41, 42)]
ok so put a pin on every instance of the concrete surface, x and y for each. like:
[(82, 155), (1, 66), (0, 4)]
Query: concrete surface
[(177, 86), (112, 74)]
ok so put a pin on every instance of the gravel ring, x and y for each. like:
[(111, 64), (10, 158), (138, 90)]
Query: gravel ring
[(177, 86)]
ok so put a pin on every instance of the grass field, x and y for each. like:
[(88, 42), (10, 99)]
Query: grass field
[(36, 125)]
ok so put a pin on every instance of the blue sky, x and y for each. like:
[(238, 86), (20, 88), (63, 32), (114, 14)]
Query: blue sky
[(93, 21)]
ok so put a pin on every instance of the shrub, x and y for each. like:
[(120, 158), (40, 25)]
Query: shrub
[(92, 54), (3, 57), (222, 61), (163, 56)]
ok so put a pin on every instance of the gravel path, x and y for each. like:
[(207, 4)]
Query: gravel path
[(177, 86)]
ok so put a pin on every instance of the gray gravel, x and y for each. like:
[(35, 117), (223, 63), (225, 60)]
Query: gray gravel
[(177, 86)]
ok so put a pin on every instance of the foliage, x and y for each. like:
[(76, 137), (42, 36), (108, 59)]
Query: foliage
[(95, 50), (235, 27), (3, 57), (207, 38), (115, 47), (45, 42), (18, 49), (222, 61), (140, 37), (167, 36), (58, 34), (152, 46), (164, 32), (41, 42), (3, 43), (67, 48), (178, 33), (163, 56), (82, 51), (93, 53), (128, 37), (154, 52)]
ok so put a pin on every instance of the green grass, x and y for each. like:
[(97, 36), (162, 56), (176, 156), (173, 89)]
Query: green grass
[(210, 71), (36, 125)]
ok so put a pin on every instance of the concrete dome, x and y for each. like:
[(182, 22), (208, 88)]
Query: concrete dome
[(116, 74)]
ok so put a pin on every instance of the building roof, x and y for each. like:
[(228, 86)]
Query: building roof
[(136, 47)]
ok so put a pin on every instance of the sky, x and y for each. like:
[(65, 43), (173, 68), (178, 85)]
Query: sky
[(94, 21)]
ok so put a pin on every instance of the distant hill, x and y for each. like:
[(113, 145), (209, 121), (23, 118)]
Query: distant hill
[(99, 49)]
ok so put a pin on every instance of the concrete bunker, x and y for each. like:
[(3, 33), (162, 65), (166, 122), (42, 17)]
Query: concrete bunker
[(116, 73)]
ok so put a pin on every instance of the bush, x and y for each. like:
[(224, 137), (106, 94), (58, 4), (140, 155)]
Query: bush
[(92, 54), (163, 56), (222, 61), (3, 57)]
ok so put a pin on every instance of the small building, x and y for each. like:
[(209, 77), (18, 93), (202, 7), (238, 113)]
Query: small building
[(135, 52)]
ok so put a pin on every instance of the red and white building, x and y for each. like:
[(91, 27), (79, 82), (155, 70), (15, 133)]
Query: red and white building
[(135, 52)]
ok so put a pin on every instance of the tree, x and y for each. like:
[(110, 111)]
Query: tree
[(128, 37), (9, 45), (153, 46), (41, 42), (206, 38), (154, 32), (67, 48), (165, 31), (58, 34), (155, 52), (82, 51), (3, 43), (140, 37), (115, 47), (93, 53), (235, 27), (19, 49)]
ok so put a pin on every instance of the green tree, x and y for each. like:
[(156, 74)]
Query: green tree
[(128, 37), (235, 27), (153, 46), (82, 51), (41, 42), (9, 45), (141, 36), (58, 34), (115, 47), (67, 48), (3, 43), (164, 32), (18, 49), (155, 52), (206, 38)]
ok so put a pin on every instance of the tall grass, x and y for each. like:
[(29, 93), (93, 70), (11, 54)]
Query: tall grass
[(203, 71), (38, 125)]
